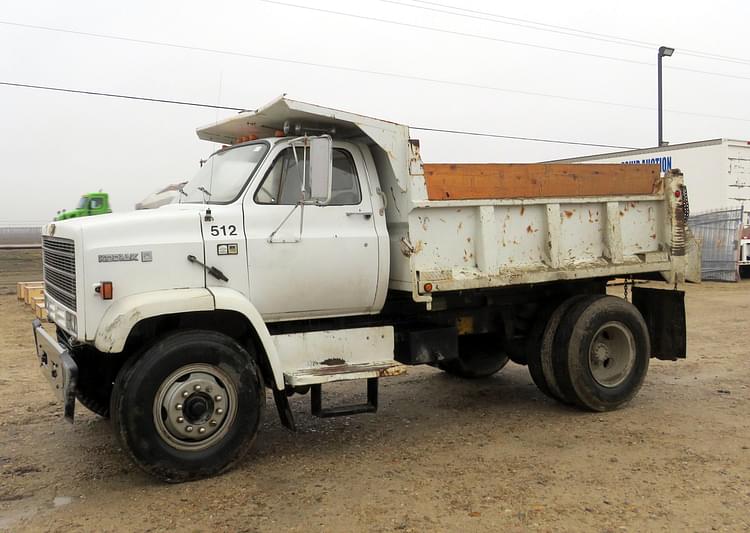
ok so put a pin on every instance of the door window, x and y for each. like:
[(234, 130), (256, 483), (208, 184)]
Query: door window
[(282, 184)]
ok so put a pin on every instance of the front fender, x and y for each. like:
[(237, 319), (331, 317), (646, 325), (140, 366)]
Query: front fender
[(126, 312), (231, 300)]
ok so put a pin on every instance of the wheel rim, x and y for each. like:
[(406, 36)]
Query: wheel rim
[(612, 354), (195, 406)]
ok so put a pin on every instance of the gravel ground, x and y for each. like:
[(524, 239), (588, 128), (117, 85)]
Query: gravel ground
[(440, 455)]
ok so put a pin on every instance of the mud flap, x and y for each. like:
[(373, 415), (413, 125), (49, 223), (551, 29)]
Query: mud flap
[(664, 313)]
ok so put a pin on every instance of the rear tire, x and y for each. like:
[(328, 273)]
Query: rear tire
[(601, 353), (479, 356), (189, 407), (568, 307)]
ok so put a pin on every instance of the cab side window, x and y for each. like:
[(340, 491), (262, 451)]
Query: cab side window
[(345, 187), (95, 203), (282, 184)]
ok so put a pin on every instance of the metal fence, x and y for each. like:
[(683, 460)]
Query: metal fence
[(719, 234), (20, 237)]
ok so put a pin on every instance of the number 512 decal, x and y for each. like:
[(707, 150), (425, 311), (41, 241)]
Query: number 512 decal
[(217, 231)]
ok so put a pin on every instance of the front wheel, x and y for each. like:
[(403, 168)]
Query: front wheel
[(479, 356), (189, 407)]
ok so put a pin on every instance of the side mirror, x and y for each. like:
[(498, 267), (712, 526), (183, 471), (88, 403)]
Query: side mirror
[(321, 166)]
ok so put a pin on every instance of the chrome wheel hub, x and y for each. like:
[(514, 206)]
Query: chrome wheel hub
[(195, 406)]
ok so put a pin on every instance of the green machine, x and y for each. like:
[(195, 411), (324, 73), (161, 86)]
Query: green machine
[(94, 203)]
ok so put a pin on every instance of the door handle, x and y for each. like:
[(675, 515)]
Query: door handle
[(366, 214)]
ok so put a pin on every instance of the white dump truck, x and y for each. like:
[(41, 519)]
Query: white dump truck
[(315, 247)]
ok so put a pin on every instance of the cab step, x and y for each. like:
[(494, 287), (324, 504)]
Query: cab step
[(323, 373), (371, 406)]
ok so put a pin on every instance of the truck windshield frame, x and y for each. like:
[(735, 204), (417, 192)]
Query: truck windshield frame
[(226, 174)]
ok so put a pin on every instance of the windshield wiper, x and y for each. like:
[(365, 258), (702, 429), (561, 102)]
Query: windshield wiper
[(204, 191)]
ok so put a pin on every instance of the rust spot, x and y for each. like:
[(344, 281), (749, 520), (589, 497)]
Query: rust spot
[(468, 239), (653, 236), (333, 361), (529, 229), (523, 210), (568, 214), (391, 371), (622, 214)]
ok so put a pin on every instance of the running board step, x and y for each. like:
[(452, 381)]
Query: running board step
[(316, 402), (343, 372)]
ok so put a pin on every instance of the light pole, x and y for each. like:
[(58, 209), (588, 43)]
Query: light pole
[(664, 51)]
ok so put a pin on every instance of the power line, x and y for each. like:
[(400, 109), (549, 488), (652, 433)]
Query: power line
[(457, 33), (195, 104), (319, 65), (517, 138), (565, 30), (343, 68), (124, 96), (521, 23), (495, 39)]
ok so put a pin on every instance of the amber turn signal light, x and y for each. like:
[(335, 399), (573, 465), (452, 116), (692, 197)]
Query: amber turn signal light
[(105, 290)]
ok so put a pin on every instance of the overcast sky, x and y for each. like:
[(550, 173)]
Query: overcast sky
[(55, 146)]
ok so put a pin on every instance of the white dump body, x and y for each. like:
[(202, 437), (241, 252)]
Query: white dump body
[(448, 245)]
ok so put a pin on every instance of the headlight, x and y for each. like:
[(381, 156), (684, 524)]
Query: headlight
[(71, 322)]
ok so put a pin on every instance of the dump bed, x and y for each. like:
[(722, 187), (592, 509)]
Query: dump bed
[(489, 225)]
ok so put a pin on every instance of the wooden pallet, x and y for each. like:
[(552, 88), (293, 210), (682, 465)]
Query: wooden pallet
[(40, 311), (22, 288), (33, 292)]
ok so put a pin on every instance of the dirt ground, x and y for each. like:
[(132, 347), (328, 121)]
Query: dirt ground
[(440, 455)]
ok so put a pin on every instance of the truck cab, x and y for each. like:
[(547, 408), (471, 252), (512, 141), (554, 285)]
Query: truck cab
[(314, 246), (95, 203)]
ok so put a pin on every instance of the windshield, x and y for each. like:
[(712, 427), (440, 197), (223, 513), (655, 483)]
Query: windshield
[(82, 203), (221, 179)]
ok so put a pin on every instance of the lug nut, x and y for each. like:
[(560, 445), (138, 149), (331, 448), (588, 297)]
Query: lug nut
[(178, 407), (201, 430), (220, 411), (217, 398), (180, 419), (213, 422), (189, 429), (197, 387), (185, 394)]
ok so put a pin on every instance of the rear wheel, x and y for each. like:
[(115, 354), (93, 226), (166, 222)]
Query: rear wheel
[(601, 353), (189, 407), (540, 345), (479, 356)]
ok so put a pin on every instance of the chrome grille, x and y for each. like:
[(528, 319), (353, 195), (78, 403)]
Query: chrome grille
[(59, 260)]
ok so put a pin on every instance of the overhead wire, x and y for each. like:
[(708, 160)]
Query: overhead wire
[(210, 106), (496, 39), (344, 68), (566, 30)]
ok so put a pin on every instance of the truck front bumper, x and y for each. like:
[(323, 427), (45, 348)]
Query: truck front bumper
[(58, 367)]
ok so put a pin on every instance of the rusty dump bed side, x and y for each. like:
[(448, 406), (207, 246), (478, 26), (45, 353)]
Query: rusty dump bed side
[(470, 181)]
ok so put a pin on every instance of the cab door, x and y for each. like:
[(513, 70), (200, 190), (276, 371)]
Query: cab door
[(310, 260)]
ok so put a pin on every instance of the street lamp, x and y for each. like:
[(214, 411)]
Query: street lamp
[(664, 51)]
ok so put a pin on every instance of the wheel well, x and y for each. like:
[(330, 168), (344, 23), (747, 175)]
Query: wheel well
[(230, 323)]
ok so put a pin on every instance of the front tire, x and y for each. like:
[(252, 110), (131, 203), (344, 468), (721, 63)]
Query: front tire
[(189, 407)]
